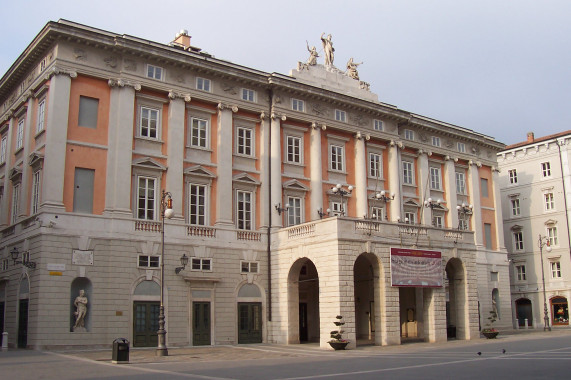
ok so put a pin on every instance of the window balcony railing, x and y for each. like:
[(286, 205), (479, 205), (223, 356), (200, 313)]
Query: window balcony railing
[(147, 226), (207, 232), (299, 231), (248, 235)]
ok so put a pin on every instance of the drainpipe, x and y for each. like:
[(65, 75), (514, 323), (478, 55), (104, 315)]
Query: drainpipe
[(564, 194), (269, 251)]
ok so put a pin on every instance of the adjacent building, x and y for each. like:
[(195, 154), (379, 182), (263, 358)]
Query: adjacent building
[(295, 198), (535, 188)]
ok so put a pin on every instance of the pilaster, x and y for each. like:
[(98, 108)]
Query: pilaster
[(423, 185), (224, 192), (474, 189), (315, 169), (395, 180), (498, 208), (276, 166), (264, 170), (450, 189), (360, 175)]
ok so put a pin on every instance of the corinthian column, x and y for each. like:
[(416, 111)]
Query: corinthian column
[(360, 175), (315, 170)]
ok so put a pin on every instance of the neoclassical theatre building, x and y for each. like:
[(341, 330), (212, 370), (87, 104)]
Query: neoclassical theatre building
[(295, 199)]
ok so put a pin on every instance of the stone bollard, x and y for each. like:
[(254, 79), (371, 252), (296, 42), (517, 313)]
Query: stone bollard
[(517, 324), (5, 341), (526, 323)]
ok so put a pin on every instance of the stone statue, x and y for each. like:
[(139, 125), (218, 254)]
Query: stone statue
[(312, 60), (352, 69), (80, 304), (328, 49)]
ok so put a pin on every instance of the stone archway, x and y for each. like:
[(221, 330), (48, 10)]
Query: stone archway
[(456, 300), (303, 302), (366, 274)]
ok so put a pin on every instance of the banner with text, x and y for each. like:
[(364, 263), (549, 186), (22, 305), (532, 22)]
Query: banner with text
[(416, 268)]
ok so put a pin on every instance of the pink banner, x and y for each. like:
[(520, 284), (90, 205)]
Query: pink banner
[(416, 268)]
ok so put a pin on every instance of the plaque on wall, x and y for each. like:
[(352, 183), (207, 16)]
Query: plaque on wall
[(80, 257)]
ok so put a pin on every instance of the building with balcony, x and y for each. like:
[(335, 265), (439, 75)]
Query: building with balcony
[(535, 190), (295, 198)]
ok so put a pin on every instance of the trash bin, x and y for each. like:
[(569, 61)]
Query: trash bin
[(120, 351)]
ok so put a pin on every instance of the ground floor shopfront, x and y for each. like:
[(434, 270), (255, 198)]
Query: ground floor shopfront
[(228, 294), (529, 309)]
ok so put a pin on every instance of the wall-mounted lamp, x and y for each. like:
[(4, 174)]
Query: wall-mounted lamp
[(337, 189), (281, 209), (15, 253), (322, 214), (382, 196), (183, 262)]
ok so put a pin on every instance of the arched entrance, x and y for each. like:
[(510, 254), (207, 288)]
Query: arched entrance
[(303, 302), (523, 311), (560, 311), (456, 300), (146, 307), (367, 301)]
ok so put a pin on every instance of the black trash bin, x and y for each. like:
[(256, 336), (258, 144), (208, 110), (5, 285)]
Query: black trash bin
[(120, 351)]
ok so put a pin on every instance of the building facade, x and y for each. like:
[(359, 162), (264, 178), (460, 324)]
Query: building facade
[(293, 197), (535, 184)]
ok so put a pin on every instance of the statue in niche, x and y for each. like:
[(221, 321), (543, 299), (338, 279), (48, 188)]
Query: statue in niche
[(80, 304), (312, 60), (328, 49), (352, 69)]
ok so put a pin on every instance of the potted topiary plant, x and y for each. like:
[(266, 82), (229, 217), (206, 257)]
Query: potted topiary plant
[(337, 341), (490, 332)]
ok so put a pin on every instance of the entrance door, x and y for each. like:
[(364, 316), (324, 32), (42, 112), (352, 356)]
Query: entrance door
[(201, 323), (524, 311), (23, 324), (249, 322), (303, 322), (146, 324), (1, 321)]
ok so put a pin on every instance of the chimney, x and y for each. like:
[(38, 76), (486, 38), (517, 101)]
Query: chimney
[(530, 137), (182, 39)]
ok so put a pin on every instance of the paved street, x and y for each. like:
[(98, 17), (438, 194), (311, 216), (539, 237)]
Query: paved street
[(527, 356)]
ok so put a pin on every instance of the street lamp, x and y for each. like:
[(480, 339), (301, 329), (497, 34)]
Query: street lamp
[(464, 210), (322, 213), (337, 189), (429, 203), (544, 242), (15, 253), (166, 212)]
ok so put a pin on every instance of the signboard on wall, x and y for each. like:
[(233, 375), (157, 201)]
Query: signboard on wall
[(416, 268)]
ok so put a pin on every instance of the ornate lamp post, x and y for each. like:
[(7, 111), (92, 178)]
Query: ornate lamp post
[(337, 189), (166, 212), (382, 197), (464, 210), (544, 242), (429, 203)]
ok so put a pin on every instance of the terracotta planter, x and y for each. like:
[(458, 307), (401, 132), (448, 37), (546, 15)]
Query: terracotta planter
[(338, 345), (490, 334)]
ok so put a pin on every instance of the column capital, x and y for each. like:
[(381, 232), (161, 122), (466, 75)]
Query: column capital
[(119, 82), (427, 152), (178, 95), (448, 158), (59, 71), (475, 163), (278, 116), (314, 125), (360, 136), (397, 143), (222, 107)]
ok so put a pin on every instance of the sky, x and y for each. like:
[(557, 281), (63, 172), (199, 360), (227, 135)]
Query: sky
[(498, 67)]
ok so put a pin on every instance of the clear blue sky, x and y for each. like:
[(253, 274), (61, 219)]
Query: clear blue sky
[(498, 67)]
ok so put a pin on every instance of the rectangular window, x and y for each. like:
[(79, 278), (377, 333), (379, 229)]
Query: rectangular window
[(245, 141), (435, 182), (463, 223), (436, 141), (197, 205), (83, 184), (546, 169), (41, 115), (494, 276), (149, 261), (4, 265), (552, 235), (410, 217), (488, 235), (460, 183), (408, 134), (35, 204), (248, 95), (377, 125), (249, 267), (484, 187), (3, 149), (336, 209), (154, 72), (377, 213), (340, 116), (20, 134), (149, 121), (336, 157), (298, 105), (146, 198), (375, 165), (198, 133), (549, 202), (294, 211), (513, 176), (555, 269), (407, 173), (15, 202), (518, 241), (203, 84), (202, 264), (88, 109), (438, 221), (515, 207), (520, 272), (461, 147), (293, 154), (244, 208)]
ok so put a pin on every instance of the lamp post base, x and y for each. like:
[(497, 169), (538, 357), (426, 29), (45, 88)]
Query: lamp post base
[(162, 352)]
